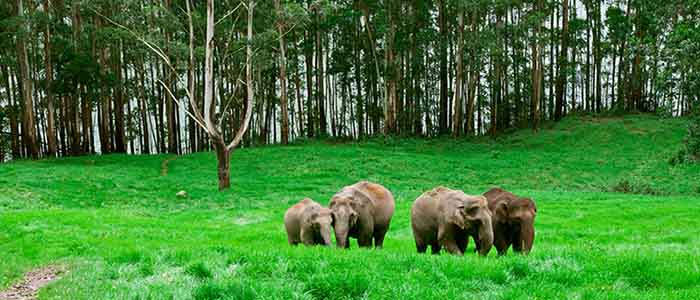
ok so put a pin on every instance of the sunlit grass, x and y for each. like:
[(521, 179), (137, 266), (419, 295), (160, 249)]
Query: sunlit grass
[(116, 222)]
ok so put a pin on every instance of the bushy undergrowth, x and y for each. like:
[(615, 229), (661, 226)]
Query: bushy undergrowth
[(690, 153)]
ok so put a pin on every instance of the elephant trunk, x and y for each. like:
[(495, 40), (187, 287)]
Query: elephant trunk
[(527, 235), (485, 237), (341, 235), (326, 235)]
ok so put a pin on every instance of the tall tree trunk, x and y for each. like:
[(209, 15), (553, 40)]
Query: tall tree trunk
[(170, 109), (223, 156), (143, 108), (587, 95), (50, 121), (562, 62), (537, 72), (497, 88), (598, 58), (635, 97), (391, 73), (104, 113), (283, 75), (459, 83), (320, 93), (442, 53), (297, 87), (28, 125), (308, 55), (474, 72), (622, 68), (119, 129), (358, 83), (13, 107)]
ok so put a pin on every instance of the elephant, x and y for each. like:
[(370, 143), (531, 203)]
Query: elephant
[(309, 223), (362, 211), (513, 221), (447, 218)]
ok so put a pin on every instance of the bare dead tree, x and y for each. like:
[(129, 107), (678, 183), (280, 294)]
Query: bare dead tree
[(205, 118)]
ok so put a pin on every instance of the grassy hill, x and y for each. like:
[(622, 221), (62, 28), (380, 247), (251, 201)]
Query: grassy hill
[(615, 220)]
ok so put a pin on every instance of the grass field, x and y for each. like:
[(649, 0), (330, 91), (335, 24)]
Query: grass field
[(116, 224)]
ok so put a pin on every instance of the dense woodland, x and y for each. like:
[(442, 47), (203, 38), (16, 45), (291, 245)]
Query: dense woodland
[(81, 77)]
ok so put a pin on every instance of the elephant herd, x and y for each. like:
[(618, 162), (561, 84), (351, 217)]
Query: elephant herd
[(440, 218)]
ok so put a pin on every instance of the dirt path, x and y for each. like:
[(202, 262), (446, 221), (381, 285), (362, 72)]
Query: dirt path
[(29, 287)]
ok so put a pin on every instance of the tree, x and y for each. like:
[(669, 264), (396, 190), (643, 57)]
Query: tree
[(224, 150), (283, 73), (391, 72), (562, 62), (29, 126), (51, 116), (537, 69), (442, 53), (459, 82), (417, 67)]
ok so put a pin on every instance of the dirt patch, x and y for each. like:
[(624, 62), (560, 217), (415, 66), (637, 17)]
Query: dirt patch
[(164, 165), (29, 287)]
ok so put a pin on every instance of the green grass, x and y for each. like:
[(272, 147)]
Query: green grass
[(117, 225)]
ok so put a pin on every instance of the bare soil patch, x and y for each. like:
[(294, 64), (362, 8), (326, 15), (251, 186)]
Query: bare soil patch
[(28, 288)]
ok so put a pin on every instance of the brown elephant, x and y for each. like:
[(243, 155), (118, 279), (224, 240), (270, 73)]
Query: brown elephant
[(309, 223), (447, 218), (513, 221), (362, 211)]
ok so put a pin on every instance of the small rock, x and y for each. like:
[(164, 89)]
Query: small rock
[(181, 194)]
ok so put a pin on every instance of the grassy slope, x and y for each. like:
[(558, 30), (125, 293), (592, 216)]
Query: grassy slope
[(116, 221)]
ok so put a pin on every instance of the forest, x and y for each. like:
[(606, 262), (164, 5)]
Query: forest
[(84, 77), (538, 149)]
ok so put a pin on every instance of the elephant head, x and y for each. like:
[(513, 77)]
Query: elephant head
[(471, 213), (319, 220), (344, 213), (520, 212)]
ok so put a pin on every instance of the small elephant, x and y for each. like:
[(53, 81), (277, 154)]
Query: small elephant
[(513, 221), (363, 211), (447, 218), (309, 223)]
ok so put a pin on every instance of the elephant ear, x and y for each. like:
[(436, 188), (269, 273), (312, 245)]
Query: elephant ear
[(458, 217), (501, 210), (360, 200)]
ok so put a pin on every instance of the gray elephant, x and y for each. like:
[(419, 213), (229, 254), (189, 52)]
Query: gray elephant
[(513, 221), (447, 218), (362, 211), (309, 223)]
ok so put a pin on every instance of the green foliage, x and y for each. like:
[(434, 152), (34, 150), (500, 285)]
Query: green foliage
[(4, 138), (692, 140), (198, 270), (690, 153)]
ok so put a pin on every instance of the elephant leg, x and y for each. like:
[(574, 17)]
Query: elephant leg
[(364, 240), (421, 247), (435, 248), (500, 241), (501, 246), (379, 234), (307, 237), (462, 243), (516, 241), (451, 246), (477, 245)]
